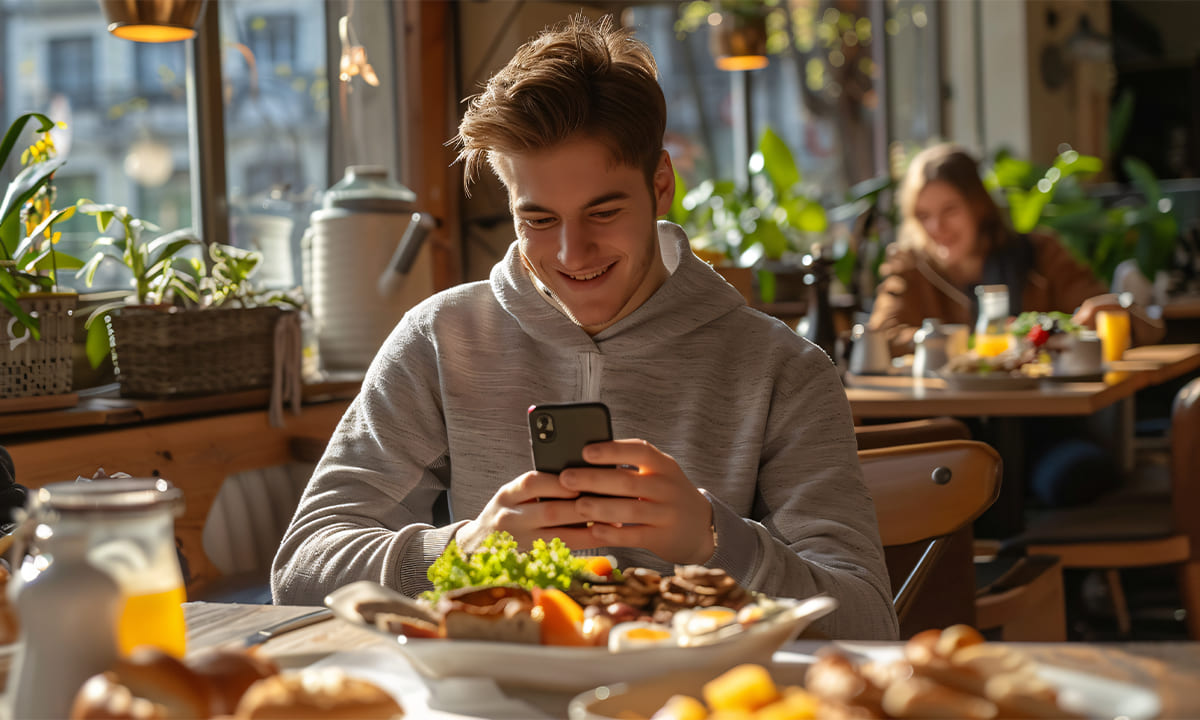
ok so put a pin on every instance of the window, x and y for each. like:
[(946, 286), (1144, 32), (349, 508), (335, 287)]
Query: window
[(820, 101), (72, 73), (125, 136), (272, 39), (161, 69)]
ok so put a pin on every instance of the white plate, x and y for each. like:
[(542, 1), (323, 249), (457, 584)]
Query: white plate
[(1089, 695), (573, 668)]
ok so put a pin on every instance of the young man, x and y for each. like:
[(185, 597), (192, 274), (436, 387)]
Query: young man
[(735, 446)]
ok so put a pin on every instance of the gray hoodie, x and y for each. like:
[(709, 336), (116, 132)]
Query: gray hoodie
[(754, 414)]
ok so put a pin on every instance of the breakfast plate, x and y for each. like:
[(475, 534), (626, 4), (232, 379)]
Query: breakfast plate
[(571, 669), (1088, 695)]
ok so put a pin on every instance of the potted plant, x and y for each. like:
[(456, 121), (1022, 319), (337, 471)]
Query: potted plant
[(188, 327), (36, 316), (1143, 227), (768, 226)]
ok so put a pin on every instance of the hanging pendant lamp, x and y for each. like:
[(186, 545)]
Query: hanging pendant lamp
[(152, 21), (738, 40)]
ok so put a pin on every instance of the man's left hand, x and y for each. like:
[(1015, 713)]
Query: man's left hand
[(645, 501)]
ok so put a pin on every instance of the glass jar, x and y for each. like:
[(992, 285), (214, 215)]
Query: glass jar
[(991, 327), (129, 531)]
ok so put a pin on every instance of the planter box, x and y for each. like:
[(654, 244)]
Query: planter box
[(167, 351), (31, 367)]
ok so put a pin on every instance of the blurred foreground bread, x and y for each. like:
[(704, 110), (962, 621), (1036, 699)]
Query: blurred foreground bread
[(317, 693), (152, 685)]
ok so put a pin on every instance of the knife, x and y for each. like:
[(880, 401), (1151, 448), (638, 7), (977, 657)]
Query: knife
[(300, 621)]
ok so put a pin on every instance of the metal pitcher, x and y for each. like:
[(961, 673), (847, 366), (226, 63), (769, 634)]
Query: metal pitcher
[(869, 353)]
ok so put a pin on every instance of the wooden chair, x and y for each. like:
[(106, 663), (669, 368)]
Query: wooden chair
[(1127, 530), (924, 494), (910, 432)]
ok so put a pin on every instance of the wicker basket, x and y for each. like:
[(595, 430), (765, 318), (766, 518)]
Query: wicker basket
[(162, 352), (38, 367)]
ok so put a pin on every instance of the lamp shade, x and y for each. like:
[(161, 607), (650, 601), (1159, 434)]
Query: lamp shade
[(738, 41), (153, 21)]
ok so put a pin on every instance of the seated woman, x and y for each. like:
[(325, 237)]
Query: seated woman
[(954, 237)]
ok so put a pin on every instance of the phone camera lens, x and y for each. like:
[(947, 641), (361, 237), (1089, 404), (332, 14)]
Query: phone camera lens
[(544, 424)]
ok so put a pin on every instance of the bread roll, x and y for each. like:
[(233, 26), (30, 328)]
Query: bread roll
[(230, 673), (316, 693), (103, 698), (151, 676)]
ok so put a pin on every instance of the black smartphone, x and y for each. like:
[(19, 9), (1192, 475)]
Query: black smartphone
[(558, 432)]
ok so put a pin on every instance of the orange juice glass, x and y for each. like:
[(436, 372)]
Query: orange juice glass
[(1112, 327), (990, 345)]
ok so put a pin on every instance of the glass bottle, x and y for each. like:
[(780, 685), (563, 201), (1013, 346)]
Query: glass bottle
[(128, 527), (991, 327)]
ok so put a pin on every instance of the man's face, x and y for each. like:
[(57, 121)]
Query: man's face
[(943, 211), (586, 227)]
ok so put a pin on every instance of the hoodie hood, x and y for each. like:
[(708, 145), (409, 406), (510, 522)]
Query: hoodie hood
[(692, 295)]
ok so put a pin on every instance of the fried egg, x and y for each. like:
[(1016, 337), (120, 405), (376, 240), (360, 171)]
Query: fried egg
[(692, 625), (638, 635)]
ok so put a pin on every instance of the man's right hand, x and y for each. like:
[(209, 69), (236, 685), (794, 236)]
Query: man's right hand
[(527, 509)]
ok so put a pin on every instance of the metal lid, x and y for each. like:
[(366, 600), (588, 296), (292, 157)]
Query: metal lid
[(119, 495), (369, 188)]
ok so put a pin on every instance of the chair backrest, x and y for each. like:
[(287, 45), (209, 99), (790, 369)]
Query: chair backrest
[(1185, 462), (926, 492), (910, 432)]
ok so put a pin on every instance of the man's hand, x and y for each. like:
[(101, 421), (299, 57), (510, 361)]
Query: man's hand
[(646, 502), (529, 507)]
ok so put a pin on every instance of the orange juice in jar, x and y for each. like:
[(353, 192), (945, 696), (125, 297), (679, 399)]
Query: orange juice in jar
[(991, 326), (990, 344), (153, 618), (132, 538)]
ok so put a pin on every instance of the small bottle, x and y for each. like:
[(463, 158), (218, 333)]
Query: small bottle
[(991, 327), (932, 350)]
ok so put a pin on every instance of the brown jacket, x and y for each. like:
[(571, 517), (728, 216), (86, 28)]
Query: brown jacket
[(912, 290)]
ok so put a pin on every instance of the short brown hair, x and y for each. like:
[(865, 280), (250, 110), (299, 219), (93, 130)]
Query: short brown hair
[(956, 167), (583, 76)]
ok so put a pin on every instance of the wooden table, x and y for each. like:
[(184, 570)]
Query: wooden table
[(1172, 670), (193, 442), (902, 396)]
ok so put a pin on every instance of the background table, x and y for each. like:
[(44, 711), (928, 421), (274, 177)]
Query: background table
[(1170, 669), (1001, 412)]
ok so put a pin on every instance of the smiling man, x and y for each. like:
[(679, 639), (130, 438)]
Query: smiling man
[(734, 448)]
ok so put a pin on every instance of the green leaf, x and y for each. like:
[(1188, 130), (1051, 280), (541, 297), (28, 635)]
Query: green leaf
[(774, 241), (766, 285), (678, 214), (97, 341), (778, 163), (13, 134), (1119, 118), (1143, 179)]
